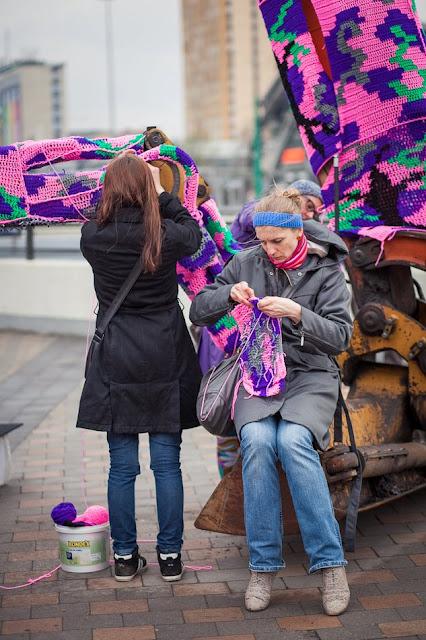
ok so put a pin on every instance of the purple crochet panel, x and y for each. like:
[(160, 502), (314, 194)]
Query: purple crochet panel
[(371, 111), (262, 364)]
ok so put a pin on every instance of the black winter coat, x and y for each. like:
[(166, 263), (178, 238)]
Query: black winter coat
[(145, 376)]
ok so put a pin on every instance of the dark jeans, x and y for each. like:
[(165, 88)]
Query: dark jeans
[(165, 463)]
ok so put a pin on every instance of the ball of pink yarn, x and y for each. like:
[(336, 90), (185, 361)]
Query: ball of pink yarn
[(93, 515)]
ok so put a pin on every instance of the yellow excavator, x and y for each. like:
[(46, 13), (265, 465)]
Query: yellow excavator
[(337, 49), (383, 374)]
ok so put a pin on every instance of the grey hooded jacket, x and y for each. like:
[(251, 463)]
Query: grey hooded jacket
[(324, 331)]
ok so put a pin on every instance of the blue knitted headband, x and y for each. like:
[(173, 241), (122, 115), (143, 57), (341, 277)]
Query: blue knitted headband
[(273, 219)]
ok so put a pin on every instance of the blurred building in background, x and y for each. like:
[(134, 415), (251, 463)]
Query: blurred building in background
[(226, 165), (228, 64), (32, 101), (283, 156), (239, 125)]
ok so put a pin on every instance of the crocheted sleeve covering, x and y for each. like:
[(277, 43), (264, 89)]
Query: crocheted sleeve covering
[(58, 197), (359, 90)]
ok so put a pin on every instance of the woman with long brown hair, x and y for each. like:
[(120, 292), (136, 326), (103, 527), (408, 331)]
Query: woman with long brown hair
[(145, 376)]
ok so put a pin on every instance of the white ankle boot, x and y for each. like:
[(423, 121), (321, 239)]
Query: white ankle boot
[(335, 591), (258, 593)]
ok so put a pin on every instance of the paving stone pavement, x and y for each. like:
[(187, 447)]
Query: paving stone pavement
[(56, 462)]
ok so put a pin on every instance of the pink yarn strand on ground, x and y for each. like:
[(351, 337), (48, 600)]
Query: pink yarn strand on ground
[(50, 573), (31, 581)]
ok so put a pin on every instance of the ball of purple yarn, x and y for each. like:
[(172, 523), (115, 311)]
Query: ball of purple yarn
[(63, 512)]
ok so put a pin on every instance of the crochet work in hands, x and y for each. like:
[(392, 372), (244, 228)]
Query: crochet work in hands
[(262, 359), (369, 105)]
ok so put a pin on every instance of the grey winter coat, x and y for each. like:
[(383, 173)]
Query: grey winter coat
[(324, 331)]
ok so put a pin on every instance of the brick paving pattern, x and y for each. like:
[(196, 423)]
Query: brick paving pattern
[(40, 385)]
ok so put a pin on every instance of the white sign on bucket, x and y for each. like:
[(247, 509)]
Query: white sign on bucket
[(84, 549)]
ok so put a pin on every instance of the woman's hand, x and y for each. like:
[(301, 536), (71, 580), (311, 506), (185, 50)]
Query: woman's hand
[(155, 172), (242, 293), (277, 307)]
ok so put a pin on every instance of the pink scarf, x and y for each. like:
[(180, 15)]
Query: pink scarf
[(297, 258)]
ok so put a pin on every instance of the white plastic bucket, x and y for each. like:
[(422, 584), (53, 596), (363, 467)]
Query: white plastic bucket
[(84, 549)]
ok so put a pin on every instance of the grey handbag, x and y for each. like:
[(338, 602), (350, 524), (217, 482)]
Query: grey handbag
[(216, 397)]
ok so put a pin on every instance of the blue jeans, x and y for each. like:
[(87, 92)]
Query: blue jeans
[(165, 463), (263, 443)]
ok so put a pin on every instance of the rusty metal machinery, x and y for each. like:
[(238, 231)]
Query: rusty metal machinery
[(385, 366), (390, 471), (390, 318), (384, 371), (395, 394)]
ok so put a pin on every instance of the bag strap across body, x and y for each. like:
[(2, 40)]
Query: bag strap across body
[(120, 296), (355, 494)]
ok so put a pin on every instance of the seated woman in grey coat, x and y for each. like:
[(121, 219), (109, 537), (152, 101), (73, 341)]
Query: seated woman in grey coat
[(307, 290)]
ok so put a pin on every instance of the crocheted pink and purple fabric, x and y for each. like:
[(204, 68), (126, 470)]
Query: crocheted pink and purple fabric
[(60, 197), (371, 111), (261, 361)]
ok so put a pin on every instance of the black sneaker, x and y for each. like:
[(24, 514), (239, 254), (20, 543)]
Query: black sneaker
[(171, 566), (127, 567)]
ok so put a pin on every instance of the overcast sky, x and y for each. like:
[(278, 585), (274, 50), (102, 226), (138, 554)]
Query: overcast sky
[(147, 51)]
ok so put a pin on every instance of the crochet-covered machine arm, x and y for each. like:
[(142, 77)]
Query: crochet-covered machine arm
[(59, 195)]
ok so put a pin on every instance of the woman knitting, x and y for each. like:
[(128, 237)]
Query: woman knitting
[(296, 275), (228, 448), (145, 376)]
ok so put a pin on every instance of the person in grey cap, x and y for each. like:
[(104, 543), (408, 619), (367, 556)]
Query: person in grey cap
[(311, 198)]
